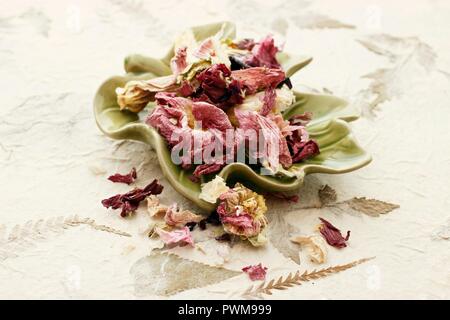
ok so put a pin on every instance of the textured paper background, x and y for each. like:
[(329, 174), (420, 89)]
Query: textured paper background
[(54, 161)]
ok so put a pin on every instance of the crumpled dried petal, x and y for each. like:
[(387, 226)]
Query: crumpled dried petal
[(138, 93), (154, 208), (178, 63), (256, 272), (300, 145), (124, 178), (217, 88), (332, 234), (180, 237), (179, 218), (129, 201), (178, 118), (241, 212), (258, 78), (212, 190), (273, 139), (264, 54), (213, 50), (316, 247), (268, 101)]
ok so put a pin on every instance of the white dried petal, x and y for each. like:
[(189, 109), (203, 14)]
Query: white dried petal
[(316, 246)]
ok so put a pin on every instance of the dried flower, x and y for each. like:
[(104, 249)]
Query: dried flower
[(129, 201), (124, 178), (316, 247), (241, 212), (138, 93), (174, 238), (154, 208), (256, 272), (332, 234), (176, 217)]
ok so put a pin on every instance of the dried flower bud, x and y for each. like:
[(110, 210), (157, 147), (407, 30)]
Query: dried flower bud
[(136, 94), (241, 212)]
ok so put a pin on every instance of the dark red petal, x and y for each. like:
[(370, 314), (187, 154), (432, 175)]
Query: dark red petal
[(332, 234), (207, 168), (129, 201), (124, 178)]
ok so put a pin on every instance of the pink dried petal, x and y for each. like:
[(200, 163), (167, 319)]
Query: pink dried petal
[(268, 101), (264, 54), (179, 237), (178, 218), (250, 120), (258, 78), (204, 50), (124, 178), (186, 89), (210, 116), (129, 201), (332, 234), (256, 272), (238, 221), (178, 62)]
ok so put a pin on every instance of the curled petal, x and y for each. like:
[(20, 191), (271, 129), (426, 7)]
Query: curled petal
[(332, 234), (178, 218), (264, 54), (137, 94), (316, 247), (174, 238), (258, 78), (124, 178), (178, 63)]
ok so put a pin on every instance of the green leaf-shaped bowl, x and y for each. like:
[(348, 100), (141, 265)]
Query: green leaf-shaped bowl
[(339, 152)]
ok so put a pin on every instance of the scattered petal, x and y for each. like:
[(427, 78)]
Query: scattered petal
[(332, 234), (175, 238), (154, 208), (316, 247), (256, 272), (129, 201), (124, 178), (179, 218)]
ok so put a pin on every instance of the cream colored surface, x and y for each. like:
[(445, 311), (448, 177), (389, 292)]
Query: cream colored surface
[(390, 58)]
